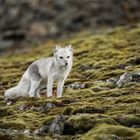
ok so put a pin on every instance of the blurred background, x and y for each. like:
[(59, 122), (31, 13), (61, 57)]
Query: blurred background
[(25, 23)]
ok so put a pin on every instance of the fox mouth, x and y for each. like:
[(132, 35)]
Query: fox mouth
[(66, 66)]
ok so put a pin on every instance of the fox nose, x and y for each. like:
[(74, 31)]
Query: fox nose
[(66, 63)]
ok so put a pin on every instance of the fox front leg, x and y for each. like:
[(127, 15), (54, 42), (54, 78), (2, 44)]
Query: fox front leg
[(60, 88), (49, 86)]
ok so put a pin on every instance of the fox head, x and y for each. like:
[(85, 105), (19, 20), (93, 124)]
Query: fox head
[(63, 55)]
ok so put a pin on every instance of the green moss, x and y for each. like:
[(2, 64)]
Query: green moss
[(87, 109), (48, 120), (105, 132), (18, 125), (68, 110), (5, 112)]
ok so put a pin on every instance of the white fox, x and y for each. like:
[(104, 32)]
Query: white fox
[(44, 72)]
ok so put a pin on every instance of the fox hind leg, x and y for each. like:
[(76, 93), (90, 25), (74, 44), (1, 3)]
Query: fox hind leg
[(35, 80), (34, 88)]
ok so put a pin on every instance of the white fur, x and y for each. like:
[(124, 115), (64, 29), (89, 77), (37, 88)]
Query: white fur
[(44, 72)]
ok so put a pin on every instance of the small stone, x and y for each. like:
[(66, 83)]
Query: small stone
[(124, 79), (9, 103), (136, 77), (77, 114), (136, 126), (49, 106), (127, 67), (22, 107)]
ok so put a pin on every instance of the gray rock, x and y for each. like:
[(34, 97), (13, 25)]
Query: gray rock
[(76, 85), (57, 125), (112, 81), (124, 79)]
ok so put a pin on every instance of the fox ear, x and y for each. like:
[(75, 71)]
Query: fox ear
[(69, 47), (56, 48)]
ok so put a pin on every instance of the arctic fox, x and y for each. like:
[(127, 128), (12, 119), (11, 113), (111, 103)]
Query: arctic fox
[(44, 72)]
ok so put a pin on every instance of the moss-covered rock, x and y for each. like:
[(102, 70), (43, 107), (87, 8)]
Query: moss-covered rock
[(81, 123)]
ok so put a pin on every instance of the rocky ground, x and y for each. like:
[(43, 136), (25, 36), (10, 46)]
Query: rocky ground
[(101, 100), (28, 22)]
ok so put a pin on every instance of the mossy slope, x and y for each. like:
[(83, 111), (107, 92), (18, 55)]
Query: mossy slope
[(99, 111)]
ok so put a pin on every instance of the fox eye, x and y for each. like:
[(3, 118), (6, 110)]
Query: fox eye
[(68, 56), (61, 57)]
